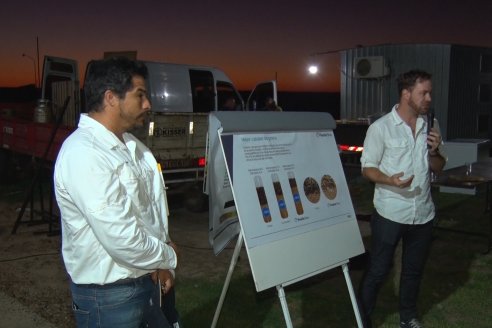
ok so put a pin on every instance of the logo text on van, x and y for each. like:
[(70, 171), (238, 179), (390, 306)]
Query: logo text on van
[(169, 132)]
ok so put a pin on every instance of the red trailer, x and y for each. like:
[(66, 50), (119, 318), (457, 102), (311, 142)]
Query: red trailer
[(32, 138)]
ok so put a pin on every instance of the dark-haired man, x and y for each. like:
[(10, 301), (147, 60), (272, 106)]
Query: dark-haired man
[(113, 205), (398, 154)]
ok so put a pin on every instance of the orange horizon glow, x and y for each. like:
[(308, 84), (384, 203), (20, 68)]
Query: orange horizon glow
[(23, 74), (250, 41)]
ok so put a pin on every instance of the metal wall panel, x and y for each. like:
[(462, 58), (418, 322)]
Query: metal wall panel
[(456, 78), (364, 97)]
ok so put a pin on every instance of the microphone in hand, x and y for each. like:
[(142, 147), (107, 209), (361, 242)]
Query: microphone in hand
[(430, 125)]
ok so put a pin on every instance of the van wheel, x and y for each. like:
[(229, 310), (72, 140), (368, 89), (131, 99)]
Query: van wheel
[(195, 200)]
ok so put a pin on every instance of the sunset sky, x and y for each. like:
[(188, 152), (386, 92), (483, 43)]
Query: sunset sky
[(251, 41)]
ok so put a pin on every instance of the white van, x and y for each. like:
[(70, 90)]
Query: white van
[(181, 98)]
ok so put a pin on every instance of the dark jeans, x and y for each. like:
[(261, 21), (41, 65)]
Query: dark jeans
[(168, 307), (386, 234), (124, 304), (166, 316)]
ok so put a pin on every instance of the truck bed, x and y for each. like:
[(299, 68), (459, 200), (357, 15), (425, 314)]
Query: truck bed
[(31, 138)]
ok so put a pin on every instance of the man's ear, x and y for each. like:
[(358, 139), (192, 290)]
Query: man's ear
[(110, 98), (406, 94)]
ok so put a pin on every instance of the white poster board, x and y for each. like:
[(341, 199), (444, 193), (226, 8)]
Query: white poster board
[(290, 234)]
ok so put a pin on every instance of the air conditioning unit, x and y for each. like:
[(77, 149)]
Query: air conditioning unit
[(370, 67)]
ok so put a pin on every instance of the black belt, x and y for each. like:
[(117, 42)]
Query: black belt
[(130, 280), (124, 281)]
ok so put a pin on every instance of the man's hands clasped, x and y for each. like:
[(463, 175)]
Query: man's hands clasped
[(164, 276)]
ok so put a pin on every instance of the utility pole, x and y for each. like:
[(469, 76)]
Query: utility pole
[(34, 66), (37, 55)]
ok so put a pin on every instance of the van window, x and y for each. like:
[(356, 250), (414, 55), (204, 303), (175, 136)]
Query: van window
[(227, 97), (258, 99), (202, 90)]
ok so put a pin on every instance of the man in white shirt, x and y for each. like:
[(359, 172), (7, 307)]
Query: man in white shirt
[(110, 192), (398, 155)]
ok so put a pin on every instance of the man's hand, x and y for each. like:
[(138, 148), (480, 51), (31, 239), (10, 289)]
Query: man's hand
[(174, 246), (376, 176), (397, 182), (434, 139), (165, 277)]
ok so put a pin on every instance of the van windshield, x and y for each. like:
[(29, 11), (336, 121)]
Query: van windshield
[(227, 97)]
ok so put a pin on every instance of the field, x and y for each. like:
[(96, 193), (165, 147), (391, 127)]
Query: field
[(455, 292)]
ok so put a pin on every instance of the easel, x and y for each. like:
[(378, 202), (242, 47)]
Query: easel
[(46, 216), (280, 289), (257, 145)]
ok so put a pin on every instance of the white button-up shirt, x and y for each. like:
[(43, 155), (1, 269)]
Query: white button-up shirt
[(113, 207), (391, 147)]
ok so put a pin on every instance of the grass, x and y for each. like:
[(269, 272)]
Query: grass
[(455, 290)]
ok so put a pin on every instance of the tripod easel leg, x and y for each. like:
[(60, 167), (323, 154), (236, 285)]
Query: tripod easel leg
[(235, 256), (285, 308), (352, 295)]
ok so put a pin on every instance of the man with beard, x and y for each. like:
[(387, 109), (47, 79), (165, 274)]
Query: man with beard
[(111, 196), (398, 157)]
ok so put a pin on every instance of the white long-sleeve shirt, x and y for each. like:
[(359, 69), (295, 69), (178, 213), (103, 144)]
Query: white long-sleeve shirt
[(391, 147), (113, 207)]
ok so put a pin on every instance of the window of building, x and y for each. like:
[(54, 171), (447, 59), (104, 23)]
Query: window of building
[(485, 93), (483, 124), (486, 63)]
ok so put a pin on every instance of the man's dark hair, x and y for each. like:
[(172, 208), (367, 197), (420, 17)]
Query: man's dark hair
[(113, 74), (406, 81)]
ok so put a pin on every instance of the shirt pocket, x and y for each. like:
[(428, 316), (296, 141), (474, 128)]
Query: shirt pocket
[(132, 185), (396, 150)]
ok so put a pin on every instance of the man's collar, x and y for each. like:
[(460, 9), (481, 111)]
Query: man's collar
[(100, 132), (397, 120)]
